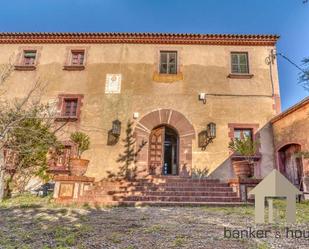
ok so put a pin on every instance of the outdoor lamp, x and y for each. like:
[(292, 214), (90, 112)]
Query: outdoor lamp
[(211, 130), (116, 128), (205, 137)]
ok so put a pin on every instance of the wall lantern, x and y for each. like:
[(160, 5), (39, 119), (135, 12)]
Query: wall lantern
[(206, 137), (211, 130), (114, 133), (116, 128)]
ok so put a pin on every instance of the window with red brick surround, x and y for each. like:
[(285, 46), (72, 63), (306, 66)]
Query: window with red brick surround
[(76, 59), (240, 128), (27, 58), (70, 106)]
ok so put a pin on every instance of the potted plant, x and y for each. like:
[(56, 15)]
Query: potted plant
[(245, 149), (78, 166)]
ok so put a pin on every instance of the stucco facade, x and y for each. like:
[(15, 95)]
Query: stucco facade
[(204, 67), (291, 129)]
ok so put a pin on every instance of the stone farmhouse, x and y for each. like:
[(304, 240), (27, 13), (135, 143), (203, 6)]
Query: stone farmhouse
[(185, 96)]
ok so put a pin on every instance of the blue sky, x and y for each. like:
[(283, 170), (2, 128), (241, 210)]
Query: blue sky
[(288, 18)]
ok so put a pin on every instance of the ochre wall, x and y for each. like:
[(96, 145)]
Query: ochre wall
[(293, 129), (205, 69)]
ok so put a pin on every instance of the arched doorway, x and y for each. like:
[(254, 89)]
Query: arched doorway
[(290, 164), (163, 151), (170, 135)]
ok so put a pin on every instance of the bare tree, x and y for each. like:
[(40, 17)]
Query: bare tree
[(304, 75), (27, 129)]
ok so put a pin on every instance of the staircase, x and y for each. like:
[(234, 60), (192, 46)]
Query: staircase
[(161, 191)]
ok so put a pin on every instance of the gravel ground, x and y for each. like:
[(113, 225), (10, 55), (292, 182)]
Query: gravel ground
[(32, 226)]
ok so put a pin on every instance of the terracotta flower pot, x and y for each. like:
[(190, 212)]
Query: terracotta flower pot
[(78, 167), (243, 169)]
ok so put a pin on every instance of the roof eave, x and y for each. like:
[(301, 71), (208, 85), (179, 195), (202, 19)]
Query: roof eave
[(160, 38)]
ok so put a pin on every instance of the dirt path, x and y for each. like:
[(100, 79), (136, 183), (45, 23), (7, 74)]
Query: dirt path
[(131, 228)]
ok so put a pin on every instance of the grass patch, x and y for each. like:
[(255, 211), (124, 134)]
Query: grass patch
[(130, 247), (27, 200), (154, 229), (245, 210), (179, 241), (302, 210), (115, 238), (263, 246)]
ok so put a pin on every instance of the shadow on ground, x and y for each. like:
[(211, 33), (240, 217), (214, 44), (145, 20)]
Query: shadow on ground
[(47, 226)]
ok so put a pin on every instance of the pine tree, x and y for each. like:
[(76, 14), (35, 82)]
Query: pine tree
[(128, 157)]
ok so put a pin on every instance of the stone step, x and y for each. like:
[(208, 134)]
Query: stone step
[(160, 188), (166, 193), (188, 193), (176, 179), (151, 203), (182, 204), (178, 199), (169, 190), (173, 185)]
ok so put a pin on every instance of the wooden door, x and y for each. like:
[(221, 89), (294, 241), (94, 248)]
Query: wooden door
[(156, 150), (290, 164), (293, 167)]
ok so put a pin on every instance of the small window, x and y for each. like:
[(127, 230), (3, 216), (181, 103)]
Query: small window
[(242, 133), (70, 107), (29, 57), (168, 62), (77, 58), (240, 63)]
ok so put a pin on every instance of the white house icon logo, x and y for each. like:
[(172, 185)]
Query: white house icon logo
[(275, 185)]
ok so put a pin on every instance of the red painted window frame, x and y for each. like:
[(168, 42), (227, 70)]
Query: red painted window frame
[(69, 65), (61, 106), (21, 65), (80, 57)]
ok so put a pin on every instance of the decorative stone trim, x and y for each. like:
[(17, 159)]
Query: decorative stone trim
[(24, 68), (143, 38), (71, 187), (167, 78), (174, 119), (73, 68), (74, 178), (240, 76)]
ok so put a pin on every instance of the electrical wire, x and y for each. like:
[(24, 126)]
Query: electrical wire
[(293, 63)]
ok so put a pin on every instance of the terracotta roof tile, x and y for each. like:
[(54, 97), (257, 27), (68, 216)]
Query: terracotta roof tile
[(150, 38)]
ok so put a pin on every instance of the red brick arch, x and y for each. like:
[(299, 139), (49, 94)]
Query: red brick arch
[(174, 119)]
